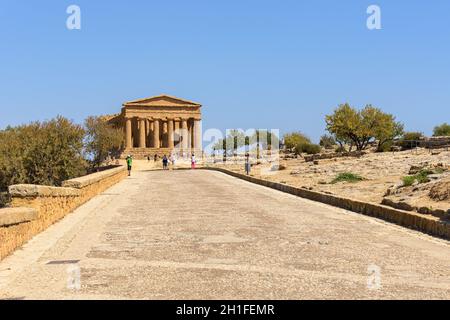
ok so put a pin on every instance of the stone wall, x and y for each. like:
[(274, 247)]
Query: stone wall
[(322, 156), (424, 223), (435, 142), (35, 208)]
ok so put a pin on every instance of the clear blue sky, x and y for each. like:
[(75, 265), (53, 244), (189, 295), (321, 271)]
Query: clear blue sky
[(264, 64)]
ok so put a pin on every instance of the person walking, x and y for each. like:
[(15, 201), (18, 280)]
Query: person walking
[(193, 161), (129, 164), (247, 164), (165, 163), (172, 160)]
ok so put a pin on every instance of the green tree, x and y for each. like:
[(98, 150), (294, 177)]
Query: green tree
[(442, 130), (361, 127), (44, 153), (102, 140), (56, 153), (387, 130)]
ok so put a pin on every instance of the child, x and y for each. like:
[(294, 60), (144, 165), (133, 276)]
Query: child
[(193, 161)]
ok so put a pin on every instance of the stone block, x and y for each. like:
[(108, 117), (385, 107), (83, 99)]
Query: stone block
[(12, 216), (34, 191)]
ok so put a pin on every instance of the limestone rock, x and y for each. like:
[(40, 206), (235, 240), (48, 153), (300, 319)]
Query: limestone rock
[(441, 190), (11, 216), (32, 191)]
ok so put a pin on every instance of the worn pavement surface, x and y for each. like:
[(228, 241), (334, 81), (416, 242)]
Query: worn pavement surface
[(205, 235)]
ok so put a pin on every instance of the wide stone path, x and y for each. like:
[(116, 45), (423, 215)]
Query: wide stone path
[(205, 235)]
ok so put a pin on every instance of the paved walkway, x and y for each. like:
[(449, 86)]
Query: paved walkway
[(205, 235)]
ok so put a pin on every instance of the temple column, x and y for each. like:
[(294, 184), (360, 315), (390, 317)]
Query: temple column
[(142, 133), (129, 141), (177, 132), (147, 133), (170, 136), (135, 130), (197, 135), (156, 143), (191, 134), (184, 134), (164, 134)]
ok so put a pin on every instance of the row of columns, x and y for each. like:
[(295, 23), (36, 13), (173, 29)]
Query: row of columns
[(145, 128)]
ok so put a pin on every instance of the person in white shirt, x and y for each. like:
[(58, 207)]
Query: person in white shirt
[(193, 161)]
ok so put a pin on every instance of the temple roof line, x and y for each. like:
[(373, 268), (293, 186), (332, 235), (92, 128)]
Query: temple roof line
[(163, 100)]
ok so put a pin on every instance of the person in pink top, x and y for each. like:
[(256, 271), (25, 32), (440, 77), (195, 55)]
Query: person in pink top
[(193, 161)]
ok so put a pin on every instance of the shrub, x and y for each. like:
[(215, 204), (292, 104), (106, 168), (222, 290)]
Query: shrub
[(308, 148), (386, 147), (348, 177), (442, 130), (292, 140), (327, 141), (4, 199), (44, 153), (407, 140), (408, 180), (420, 177)]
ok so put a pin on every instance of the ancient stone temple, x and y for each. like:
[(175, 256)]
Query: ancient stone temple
[(160, 125)]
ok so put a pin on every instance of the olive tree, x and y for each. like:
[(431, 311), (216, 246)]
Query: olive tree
[(102, 140), (360, 127)]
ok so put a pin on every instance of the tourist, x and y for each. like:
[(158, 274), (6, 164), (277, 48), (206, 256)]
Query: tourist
[(172, 160), (193, 161), (165, 163), (129, 164), (247, 164), (155, 158)]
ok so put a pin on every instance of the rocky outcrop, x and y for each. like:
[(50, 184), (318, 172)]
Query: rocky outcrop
[(440, 191)]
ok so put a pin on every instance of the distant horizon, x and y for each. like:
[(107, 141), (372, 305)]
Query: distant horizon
[(257, 64)]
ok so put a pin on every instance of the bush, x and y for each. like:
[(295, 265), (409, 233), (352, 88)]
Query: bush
[(386, 147), (348, 177), (407, 140), (292, 140), (408, 181), (442, 130), (420, 177), (4, 199), (44, 153), (327, 141), (308, 148)]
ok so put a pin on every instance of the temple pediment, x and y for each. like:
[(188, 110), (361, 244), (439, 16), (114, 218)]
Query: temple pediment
[(162, 101)]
